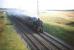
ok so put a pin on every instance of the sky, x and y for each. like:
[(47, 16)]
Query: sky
[(56, 4), (31, 5), (27, 5)]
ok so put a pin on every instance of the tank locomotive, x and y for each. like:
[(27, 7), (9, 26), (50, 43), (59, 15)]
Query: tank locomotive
[(35, 23)]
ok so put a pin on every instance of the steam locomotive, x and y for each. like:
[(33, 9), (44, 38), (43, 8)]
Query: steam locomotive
[(34, 23)]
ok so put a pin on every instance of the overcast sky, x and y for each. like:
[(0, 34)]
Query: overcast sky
[(43, 4), (56, 4), (31, 5)]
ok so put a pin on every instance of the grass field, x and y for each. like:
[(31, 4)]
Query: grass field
[(59, 29), (1, 24), (9, 39)]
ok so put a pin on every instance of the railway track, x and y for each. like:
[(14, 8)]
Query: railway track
[(25, 37), (57, 42), (35, 43), (45, 46), (41, 41)]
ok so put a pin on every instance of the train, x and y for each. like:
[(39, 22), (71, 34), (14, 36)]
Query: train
[(34, 23)]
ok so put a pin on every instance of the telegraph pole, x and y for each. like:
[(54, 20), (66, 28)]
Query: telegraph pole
[(37, 8)]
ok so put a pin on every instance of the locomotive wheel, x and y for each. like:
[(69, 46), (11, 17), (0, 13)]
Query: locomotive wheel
[(39, 29)]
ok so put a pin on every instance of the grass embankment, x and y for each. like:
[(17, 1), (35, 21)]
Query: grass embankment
[(62, 31), (10, 40), (57, 31), (1, 24)]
